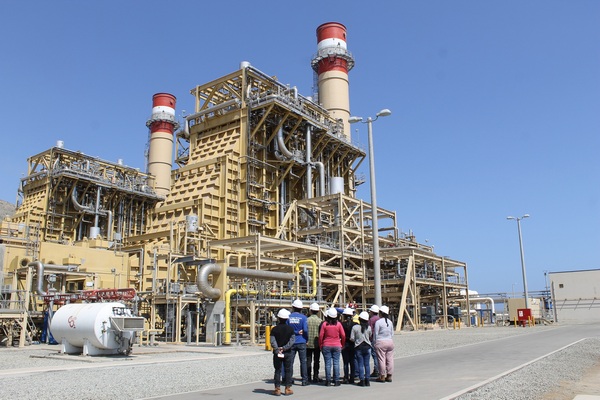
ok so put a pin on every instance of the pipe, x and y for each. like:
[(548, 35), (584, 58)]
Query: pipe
[(281, 144), (227, 339), (40, 267), (321, 168), (482, 300), (308, 164), (282, 202), (97, 210), (109, 235), (314, 280), (215, 108), (214, 293), (79, 207)]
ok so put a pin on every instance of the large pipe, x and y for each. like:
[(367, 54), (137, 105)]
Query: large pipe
[(332, 63), (215, 293), (227, 339), (97, 209), (321, 168), (162, 124), (481, 300), (40, 268), (308, 164), (281, 144), (94, 211)]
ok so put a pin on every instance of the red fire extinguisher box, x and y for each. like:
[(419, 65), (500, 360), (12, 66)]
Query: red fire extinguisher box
[(524, 314)]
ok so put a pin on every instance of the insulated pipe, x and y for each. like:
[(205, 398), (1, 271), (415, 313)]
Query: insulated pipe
[(321, 168), (80, 207), (282, 202), (215, 293), (162, 124), (482, 300), (227, 339), (40, 267), (95, 211), (332, 63), (281, 144), (309, 191), (215, 108), (109, 235)]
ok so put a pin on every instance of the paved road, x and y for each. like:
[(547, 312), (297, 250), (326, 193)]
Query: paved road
[(438, 375)]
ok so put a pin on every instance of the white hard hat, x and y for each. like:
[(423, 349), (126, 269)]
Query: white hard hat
[(364, 316), (374, 308), (384, 309), (315, 307), (283, 314), (297, 303), (332, 313), (348, 311)]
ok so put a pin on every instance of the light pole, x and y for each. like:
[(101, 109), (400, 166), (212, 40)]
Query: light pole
[(375, 228), (518, 219)]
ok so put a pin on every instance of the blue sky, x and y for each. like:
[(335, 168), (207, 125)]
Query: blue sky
[(496, 105)]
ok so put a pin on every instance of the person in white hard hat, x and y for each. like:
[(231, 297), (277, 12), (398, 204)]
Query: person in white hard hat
[(282, 340), (331, 340), (361, 338), (299, 322), (374, 316), (313, 351), (383, 338), (348, 350)]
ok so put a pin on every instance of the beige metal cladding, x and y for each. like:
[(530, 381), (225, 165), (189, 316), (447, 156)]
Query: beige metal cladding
[(160, 155), (334, 95)]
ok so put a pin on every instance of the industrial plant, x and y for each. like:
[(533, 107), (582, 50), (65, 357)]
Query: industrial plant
[(246, 204)]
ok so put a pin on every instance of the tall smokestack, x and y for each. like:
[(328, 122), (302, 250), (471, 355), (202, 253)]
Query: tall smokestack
[(332, 63), (162, 124)]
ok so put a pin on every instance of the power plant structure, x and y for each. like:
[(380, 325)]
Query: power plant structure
[(247, 204)]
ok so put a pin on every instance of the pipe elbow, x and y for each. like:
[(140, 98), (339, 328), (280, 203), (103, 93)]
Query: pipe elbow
[(202, 281)]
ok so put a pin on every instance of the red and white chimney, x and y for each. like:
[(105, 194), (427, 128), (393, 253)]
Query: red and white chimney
[(332, 63), (162, 125)]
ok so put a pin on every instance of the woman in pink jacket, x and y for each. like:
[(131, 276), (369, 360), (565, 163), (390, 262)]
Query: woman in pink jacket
[(331, 341)]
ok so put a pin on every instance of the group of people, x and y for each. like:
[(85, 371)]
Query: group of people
[(356, 337)]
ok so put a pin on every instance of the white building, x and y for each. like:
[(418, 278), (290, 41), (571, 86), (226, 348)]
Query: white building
[(576, 295)]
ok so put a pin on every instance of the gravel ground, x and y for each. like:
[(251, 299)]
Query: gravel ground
[(561, 368), (45, 374)]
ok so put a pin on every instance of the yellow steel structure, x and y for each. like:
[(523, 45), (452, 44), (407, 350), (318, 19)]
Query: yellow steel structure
[(264, 178)]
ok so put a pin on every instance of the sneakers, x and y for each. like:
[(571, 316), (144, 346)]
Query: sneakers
[(367, 382), (277, 392), (361, 382), (388, 378), (381, 378), (288, 391), (375, 374)]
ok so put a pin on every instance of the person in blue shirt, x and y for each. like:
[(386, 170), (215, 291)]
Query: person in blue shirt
[(300, 324)]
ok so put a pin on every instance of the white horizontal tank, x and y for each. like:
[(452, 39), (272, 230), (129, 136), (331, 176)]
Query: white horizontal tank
[(95, 328)]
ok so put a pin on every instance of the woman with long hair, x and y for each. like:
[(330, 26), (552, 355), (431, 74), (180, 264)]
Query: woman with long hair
[(383, 337), (331, 341)]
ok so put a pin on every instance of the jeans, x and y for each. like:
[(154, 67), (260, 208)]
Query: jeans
[(286, 363), (375, 361), (362, 355), (310, 355), (348, 357), (300, 348), (331, 355)]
